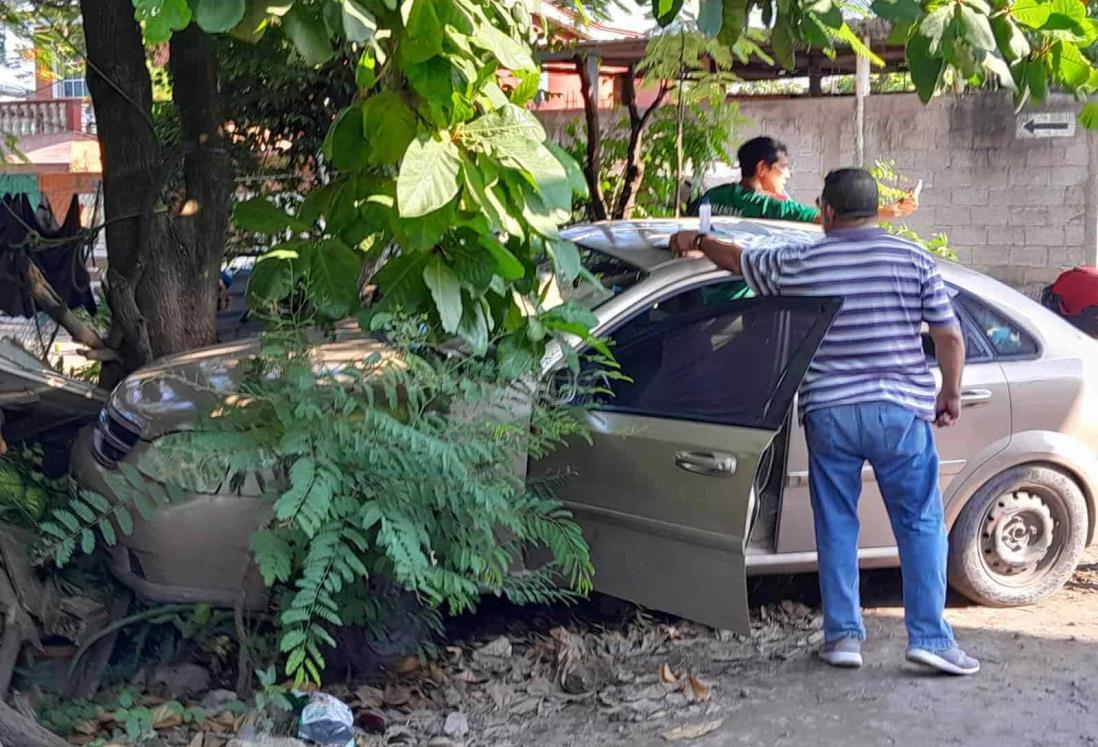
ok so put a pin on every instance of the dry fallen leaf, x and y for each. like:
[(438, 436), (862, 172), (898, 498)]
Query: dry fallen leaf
[(407, 665), (500, 647), (697, 690), (89, 727), (666, 675), (692, 731), (525, 707), (198, 741), (466, 676), (369, 697), (164, 717), (437, 674), (396, 696)]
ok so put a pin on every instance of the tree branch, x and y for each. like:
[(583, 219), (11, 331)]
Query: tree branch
[(47, 300), (592, 167), (634, 158)]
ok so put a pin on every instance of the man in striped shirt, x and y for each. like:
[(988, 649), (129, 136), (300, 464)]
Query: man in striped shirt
[(869, 396)]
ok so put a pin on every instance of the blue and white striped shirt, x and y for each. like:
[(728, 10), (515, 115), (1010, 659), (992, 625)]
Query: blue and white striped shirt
[(873, 351)]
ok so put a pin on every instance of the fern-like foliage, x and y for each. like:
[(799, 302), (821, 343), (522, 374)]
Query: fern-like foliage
[(75, 526), (395, 472)]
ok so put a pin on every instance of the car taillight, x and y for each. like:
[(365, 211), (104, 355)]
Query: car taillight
[(113, 439)]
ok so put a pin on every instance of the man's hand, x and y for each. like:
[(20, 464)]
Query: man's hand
[(902, 208), (684, 245), (947, 411)]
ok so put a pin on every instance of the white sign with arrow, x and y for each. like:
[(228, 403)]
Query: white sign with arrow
[(1045, 124)]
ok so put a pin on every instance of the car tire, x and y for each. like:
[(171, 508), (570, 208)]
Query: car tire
[(995, 547)]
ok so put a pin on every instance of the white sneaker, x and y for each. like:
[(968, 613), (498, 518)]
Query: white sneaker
[(951, 661), (845, 652)]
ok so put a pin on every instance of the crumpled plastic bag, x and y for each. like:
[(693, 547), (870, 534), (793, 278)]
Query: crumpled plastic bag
[(327, 720)]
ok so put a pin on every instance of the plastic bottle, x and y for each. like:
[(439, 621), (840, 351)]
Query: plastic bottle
[(705, 216)]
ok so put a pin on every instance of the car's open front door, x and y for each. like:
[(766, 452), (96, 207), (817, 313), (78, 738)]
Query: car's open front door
[(664, 489)]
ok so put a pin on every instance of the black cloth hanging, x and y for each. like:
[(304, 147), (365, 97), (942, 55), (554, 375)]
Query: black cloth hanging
[(64, 265)]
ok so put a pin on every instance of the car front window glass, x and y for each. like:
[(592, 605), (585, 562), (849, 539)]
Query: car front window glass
[(614, 276)]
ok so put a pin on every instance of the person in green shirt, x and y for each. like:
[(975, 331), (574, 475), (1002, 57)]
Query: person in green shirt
[(764, 165)]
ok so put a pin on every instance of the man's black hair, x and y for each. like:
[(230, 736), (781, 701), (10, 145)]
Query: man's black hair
[(759, 149), (851, 193)]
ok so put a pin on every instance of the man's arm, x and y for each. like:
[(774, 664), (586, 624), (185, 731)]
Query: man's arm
[(949, 349), (724, 254)]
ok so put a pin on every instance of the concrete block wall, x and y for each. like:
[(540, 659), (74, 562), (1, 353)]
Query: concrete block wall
[(1021, 210)]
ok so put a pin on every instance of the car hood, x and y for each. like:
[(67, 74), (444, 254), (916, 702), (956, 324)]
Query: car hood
[(173, 393)]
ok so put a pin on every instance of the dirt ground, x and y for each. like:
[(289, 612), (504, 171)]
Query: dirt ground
[(1037, 686)]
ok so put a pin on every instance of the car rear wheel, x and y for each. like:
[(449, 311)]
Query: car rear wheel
[(1019, 538)]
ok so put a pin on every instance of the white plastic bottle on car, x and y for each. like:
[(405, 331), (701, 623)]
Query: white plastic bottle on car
[(705, 215)]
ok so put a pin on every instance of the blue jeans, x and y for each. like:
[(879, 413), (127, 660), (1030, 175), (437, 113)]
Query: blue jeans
[(900, 447)]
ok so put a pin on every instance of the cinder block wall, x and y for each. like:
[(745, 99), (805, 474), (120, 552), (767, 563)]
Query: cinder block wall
[(1021, 210)]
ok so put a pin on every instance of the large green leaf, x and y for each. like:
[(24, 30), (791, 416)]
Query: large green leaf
[(253, 24), (733, 21), (262, 216), (401, 282), (898, 11), (997, 66), (510, 53), (424, 31), (473, 265), (160, 19), (1011, 41), (276, 272), (784, 44), (1037, 79), (546, 172), (566, 260), (926, 68), (1071, 67), (218, 16), (309, 36), (345, 147), (474, 327), (359, 24), (333, 278), (665, 11), (389, 126), (507, 264), (502, 128), (1031, 13), (711, 17), (934, 26), (1067, 15), (1089, 116), (445, 291), (434, 82), (428, 176), (576, 179), (976, 28)]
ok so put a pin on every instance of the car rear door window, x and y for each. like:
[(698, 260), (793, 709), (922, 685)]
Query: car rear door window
[(714, 354), (1003, 336)]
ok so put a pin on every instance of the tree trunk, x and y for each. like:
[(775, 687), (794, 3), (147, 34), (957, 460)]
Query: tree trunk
[(16, 730), (592, 168), (165, 240), (634, 156)]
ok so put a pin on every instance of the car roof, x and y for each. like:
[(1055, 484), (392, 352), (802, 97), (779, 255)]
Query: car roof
[(643, 244)]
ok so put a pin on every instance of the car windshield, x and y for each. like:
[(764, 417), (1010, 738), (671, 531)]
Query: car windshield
[(614, 276)]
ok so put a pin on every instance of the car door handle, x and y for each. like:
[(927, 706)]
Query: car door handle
[(708, 463), (972, 397)]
